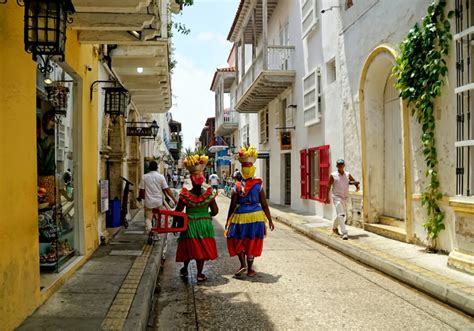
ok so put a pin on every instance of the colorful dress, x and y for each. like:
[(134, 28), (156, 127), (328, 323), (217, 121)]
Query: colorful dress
[(198, 242), (247, 224)]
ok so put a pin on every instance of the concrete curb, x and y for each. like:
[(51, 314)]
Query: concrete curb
[(137, 318), (442, 291)]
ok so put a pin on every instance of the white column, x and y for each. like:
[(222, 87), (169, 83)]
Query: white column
[(265, 33)]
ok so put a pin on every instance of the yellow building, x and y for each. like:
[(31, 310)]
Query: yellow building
[(23, 287)]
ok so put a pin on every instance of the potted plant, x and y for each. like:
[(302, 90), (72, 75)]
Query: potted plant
[(46, 168)]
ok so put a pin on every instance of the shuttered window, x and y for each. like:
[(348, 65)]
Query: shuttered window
[(312, 97), (315, 172), (309, 16), (304, 173)]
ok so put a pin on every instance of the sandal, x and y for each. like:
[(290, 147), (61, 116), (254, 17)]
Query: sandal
[(183, 272), (201, 278), (251, 273), (240, 271)]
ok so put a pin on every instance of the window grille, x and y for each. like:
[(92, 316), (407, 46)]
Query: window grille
[(464, 101)]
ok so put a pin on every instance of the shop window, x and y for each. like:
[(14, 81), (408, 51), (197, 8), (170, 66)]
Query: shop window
[(312, 97), (315, 171), (309, 16)]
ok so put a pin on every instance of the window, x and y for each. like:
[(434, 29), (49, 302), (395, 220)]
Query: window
[(312, 97), (465, 102), (309, 17), (244, 133), (284, 34), (263, 119), (315, 171), (331, 71)]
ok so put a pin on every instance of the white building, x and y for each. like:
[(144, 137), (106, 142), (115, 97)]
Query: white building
[(318, 74)]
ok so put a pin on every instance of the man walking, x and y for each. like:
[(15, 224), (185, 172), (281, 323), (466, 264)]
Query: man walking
[(152, 188), (339, 181), (214, 181)]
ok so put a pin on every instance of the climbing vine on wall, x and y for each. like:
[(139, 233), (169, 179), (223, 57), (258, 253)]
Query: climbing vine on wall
[(420, 71)]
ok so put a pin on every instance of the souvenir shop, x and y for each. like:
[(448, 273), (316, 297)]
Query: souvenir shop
[(57, 182)]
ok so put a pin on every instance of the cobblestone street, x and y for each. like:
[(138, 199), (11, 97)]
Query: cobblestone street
[(300, 285)]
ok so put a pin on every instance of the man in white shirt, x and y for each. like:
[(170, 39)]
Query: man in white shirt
[(214, 181), (152, 187), (339, 181)]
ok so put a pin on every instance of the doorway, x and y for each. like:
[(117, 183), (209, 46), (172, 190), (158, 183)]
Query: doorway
[(287, 178), (393, 162)]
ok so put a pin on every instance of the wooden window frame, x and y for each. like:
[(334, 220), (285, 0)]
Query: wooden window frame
[(324, 166)]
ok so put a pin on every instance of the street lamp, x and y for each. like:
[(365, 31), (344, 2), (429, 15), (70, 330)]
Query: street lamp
[(45, 30), (154, 129), (116, 102)]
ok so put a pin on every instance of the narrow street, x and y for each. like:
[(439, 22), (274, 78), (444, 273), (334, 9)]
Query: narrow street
[(300, 285)]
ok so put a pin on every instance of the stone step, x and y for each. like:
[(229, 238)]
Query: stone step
[(387, 220), (387, 231)]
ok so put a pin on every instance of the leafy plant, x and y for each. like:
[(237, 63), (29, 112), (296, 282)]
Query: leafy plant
[(420, 71), (46, 158)]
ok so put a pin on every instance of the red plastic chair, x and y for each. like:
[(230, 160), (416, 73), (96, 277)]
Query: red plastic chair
[(166, 221)]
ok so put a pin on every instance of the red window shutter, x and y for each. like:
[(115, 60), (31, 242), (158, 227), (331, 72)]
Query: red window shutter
[(324, 172), (304, 173)]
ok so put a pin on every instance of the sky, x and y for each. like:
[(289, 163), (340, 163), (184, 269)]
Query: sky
[(199, 54)]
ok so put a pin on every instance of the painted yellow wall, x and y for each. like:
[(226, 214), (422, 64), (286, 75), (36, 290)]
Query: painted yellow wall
[(19, 259)]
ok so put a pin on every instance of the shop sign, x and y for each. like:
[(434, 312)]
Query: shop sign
[(134, 131), (104, 195), (263, 155), (285, 140)]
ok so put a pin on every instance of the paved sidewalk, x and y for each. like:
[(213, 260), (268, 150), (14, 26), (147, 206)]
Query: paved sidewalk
[(408, 263), (112, 291)]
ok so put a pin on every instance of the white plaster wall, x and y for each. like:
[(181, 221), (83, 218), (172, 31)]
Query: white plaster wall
[(359, 38)]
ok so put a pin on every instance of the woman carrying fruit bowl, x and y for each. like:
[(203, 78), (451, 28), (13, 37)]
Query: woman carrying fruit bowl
[(197, 242), (248, 213)]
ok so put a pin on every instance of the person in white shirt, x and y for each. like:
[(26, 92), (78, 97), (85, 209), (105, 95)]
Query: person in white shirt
[(152, 188), (339, 181), (214, 181), (175, 180)]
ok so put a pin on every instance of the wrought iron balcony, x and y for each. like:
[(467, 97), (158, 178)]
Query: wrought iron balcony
[(265, 79)]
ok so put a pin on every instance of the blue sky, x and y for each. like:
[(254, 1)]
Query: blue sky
[(199, 54)]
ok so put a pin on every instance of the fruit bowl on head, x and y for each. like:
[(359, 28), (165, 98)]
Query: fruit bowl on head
[(196, 168), (247, 159)]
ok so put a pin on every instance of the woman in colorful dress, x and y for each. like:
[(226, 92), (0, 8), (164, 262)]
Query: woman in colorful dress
[(198, 242), (248, 212)]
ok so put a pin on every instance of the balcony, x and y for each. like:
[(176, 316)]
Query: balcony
[(266, 79), (226, 123)]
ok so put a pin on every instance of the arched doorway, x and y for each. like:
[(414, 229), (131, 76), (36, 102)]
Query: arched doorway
[(385, 148)]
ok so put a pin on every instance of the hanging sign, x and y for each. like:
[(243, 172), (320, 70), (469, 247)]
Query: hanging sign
[(285, 140), (135, 131), (262, 155)]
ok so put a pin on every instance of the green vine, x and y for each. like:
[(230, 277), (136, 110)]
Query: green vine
[(420, 71)]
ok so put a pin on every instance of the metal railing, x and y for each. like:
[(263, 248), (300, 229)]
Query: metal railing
[(279, 58)]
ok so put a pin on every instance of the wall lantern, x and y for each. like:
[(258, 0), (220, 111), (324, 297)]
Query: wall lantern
[(116, 102), (154, 129), (45, 30)]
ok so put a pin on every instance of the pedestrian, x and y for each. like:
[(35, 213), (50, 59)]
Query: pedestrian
[(168, 177), (237, 176), (198, 242), (175, 180), (214, 181), (181, 179), (152, 187), (339, 181), (245, 228)]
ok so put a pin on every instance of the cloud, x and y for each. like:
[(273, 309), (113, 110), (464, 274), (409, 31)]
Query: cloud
[(212, 37), (193, 101)]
